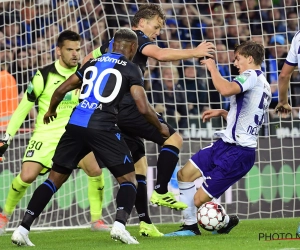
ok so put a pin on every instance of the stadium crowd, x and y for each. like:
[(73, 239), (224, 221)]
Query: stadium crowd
[(179, 90)]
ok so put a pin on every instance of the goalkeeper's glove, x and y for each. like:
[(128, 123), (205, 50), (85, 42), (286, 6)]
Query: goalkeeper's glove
[(4, 142)]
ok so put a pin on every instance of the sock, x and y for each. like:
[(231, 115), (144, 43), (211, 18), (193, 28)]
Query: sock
[(15, 194), (187, 191), (141, 202), (166, 164), (96, 195), (125, 201), (41, 196)]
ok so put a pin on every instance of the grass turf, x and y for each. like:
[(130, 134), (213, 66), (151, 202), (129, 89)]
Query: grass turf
[(244, 236)]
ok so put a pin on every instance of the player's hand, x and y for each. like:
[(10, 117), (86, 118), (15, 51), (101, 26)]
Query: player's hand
[(49, 117), (211, 113), (284, 109), (205, 49), (4, 143), (209, 63), (164, 130)]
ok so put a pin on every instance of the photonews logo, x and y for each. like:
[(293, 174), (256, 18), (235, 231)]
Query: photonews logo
[(278, 236), (268, 183)]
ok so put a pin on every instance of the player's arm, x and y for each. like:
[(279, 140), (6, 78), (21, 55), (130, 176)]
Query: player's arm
[(139, 95), (73, 82), (34, 89), (214, 113), (167, 54), (223, 86), (95, 53), (283, 86)]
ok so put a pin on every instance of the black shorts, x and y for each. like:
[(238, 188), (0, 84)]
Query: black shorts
[(108, 147), (134, 125)]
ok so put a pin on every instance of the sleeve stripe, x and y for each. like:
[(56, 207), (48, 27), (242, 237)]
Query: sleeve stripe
[(239, 84), (291, 64), (140, 50)]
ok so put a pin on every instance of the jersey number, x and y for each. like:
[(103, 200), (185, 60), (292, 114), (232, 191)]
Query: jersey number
[(99, 87), (262, 105)]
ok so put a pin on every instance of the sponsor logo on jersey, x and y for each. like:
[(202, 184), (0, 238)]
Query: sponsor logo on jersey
[(109, 59), (29, 153), (29, 87), (90, 105), (242, 78)]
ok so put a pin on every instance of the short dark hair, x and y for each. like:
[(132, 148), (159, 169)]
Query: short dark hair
[(251, 48), (148, 11), (125, 34), (67, 35)]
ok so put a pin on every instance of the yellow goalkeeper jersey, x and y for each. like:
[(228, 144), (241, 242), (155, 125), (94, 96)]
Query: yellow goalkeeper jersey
[(40, 89)]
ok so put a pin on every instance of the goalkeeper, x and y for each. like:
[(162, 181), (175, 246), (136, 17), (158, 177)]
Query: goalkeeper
[(40, 150), (147, 24)]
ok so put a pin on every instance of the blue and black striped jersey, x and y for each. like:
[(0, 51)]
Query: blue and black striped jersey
[(139, 59), (105, 81)]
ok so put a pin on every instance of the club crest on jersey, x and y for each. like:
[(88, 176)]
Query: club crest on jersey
[(29, 153)]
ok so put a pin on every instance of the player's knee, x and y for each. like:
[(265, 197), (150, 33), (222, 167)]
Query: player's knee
[(130, 177), (180, 175), (28, 176), (183, 176), (175, 140), (93, 171), (198, 201)]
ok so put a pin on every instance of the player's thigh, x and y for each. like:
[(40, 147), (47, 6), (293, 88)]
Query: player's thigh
[(38, 156), (174, 140), (141, 166), (71, 147), (90, 165), (188, 173), (110, 148), (230, 164), (30, 170), (203, 159), (136, 146), (135, 124)]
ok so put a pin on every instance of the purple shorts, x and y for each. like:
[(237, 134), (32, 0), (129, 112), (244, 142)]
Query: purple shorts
[(222, 164)]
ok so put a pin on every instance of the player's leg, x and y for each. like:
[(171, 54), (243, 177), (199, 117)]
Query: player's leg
[(187, 189), (40, 198), (229, 163), (113, 151), (95, 191), (137, 149), (166, 164), (18, 187), (37, 160), (68, 152), (137, 125)]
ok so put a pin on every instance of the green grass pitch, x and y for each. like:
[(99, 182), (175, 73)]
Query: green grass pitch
[(244, 236)]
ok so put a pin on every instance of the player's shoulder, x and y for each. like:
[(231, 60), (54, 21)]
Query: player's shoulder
[(296, 41)]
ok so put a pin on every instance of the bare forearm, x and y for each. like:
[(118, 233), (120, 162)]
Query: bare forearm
[(168, 54), (55, 100), (221, 84), (151, 117), (283, 86)]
